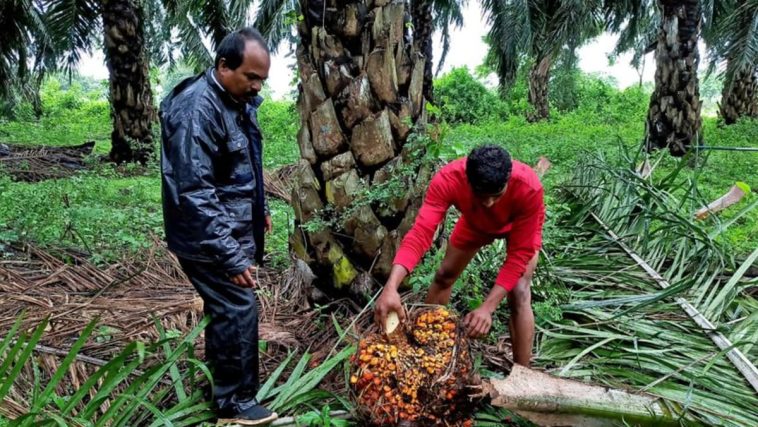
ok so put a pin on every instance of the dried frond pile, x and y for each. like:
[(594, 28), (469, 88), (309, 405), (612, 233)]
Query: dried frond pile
[(278, 183), (38, 163), (417, 376), (127, 298)]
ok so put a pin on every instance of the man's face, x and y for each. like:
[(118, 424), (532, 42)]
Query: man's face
[(488, 200), (246, 81)]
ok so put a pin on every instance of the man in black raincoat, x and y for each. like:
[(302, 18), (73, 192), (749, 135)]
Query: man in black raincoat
[(215, 213)]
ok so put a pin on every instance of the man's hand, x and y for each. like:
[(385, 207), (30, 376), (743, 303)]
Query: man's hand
[(388, 301), (478, 322), (269, 224), (246, 279)]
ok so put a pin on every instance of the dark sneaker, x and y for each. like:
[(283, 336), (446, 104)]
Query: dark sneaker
[(255, 415)]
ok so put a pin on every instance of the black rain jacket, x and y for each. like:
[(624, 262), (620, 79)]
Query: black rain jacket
[(212, 175)]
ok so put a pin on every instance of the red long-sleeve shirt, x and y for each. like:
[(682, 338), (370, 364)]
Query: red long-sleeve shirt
[(520, 214)]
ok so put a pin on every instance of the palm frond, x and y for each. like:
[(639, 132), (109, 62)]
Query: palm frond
[(160, 46), (117, 392), (510, 35), (733, 38), (73, 24), (23, 30), (636, 22), (212, 16), (238, 12), (618, 328), (447, 14), (573, 22), (194, 51), (275, 20)]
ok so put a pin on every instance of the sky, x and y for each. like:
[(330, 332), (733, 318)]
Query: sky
[(466, 49)]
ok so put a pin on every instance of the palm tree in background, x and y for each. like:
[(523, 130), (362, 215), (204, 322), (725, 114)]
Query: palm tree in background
[(731, 32), (429, 16), (673, 119), (53, 35), (23, 41), (537, 31), (75, 26)]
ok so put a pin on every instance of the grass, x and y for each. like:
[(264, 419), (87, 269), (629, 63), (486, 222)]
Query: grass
[(73, 114), (104, 213)]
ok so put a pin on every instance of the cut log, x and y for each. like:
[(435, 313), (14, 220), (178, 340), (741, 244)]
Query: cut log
[(372, 142), (550, 401), (734, 195), (326, 133)]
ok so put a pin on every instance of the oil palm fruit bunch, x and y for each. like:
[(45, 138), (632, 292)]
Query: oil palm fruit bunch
[(416, 376)]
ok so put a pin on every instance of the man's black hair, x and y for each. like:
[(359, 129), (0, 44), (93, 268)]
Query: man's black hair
[(232, 47), (488, 168)]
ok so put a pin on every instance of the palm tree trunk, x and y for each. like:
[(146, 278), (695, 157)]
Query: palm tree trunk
[(739, 99), (539, 79), (358, 185), (131, 98), (421, 11), (673, 119)]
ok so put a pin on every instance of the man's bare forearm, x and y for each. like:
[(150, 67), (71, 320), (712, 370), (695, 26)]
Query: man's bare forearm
[(495, 297), (397, 275)]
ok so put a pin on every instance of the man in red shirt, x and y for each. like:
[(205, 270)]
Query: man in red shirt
[(497, 198)]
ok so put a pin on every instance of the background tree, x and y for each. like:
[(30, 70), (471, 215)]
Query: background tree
[(76, 26), (196, 22), (731, 32), (538, 31), (429, 16), (23, 41), (673, 119), (358, 183)]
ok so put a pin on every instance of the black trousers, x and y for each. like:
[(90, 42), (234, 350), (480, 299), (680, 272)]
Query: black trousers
[(231, 338)]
